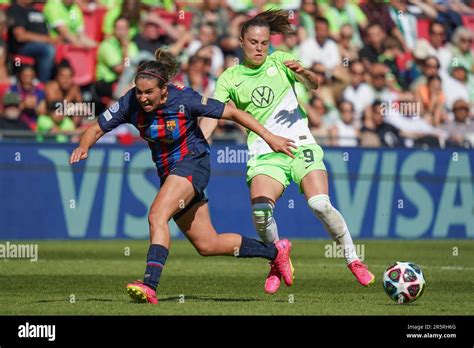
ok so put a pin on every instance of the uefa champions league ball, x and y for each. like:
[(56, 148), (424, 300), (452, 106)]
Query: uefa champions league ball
[(404, 282)]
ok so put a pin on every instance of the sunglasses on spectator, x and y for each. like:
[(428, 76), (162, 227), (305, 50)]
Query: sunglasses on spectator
[(346, 36), (461, 108), (437, 33), (360, 73), (466, 39), (378, 76)]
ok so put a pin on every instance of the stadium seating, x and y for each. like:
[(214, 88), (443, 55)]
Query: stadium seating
[(83, 62)]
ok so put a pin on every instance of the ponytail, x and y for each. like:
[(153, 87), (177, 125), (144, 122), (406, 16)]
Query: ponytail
[(277, 21), (163, 68)]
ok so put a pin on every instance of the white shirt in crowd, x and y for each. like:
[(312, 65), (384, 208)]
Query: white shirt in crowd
[(454, 90), (327, 54), (360, 97)]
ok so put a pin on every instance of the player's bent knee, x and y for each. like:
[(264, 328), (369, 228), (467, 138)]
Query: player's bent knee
[(320, 204), (205, 249)]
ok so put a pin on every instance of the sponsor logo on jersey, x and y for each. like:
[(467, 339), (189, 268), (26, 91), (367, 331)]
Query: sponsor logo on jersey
[(262, 96), (272, 71), (171, 125)]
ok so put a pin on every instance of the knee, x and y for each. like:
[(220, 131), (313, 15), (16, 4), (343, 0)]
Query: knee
[(262, 214), (320, 204), (157, 220), (205, 248)]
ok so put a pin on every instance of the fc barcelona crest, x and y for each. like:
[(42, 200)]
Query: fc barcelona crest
[(171, 125)]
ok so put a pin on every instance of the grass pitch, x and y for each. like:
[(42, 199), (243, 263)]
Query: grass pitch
[(89, 278)]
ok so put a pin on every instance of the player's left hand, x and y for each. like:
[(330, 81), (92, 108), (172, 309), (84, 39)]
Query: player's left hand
[(295, 66), (281, 144)]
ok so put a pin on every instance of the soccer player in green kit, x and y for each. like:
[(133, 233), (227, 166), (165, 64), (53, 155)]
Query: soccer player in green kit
[(264, 86)]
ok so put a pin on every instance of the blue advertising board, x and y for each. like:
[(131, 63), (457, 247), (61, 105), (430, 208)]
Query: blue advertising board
[(403, 194)]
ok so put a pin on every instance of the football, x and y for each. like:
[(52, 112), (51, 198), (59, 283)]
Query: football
[(404, 282)]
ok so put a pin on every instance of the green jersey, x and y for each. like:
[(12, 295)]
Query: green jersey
[(268, 94)]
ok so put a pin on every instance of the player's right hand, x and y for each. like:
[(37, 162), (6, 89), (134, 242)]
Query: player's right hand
[(281, 144), (77, 155)]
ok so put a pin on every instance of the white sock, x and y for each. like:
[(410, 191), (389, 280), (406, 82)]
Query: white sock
[(265, 224), (334, 223)]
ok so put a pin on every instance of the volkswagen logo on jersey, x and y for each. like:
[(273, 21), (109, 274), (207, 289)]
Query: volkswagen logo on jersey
[(171, 125), (262, 96)]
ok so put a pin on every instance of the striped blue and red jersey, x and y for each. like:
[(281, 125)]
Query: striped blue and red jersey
[(172, 131)]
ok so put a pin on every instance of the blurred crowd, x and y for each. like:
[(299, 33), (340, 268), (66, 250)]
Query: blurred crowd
[(395, 73)]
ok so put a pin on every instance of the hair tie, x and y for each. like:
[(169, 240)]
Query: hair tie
[(148, 72)]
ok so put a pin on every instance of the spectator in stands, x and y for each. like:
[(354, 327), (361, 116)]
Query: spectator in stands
[(211, 13), (290, 43), (344, 132), (308, 12), (456, 86), (55, 123), (374, 124), (347, 49), (431, 99), (4, 78), (461, 49), (113, 55), (317, 114), (375, 45), (325, 92), (208, 37), (380, 87), (435, 46), (31, 95), (460, 130), (359, 93), (405, 21), (10, 119), (322, 49), (65, 19), (150, 39), (131, 10), (429, 68), (341, 12), (63, 87), (28, 35), (377, 13), (197, 76)]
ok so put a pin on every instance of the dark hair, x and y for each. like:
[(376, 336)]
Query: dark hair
[(373, 25), (321, 19), (119, 18), (432, 57), (433, 23), (277, 21), (431, 78), (63, 64), (163, 68), (24, 67), (345, 101)]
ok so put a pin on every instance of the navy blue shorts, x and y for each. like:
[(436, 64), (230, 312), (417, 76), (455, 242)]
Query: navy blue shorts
[(197, 169)]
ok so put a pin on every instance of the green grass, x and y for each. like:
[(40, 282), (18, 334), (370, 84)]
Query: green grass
[(96, 272)]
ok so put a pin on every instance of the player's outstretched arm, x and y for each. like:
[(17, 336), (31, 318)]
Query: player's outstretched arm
[(88, 139), (303, 75), (277, 143)]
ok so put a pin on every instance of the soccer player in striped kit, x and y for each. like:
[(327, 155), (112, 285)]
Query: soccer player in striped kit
[(166, 117)]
